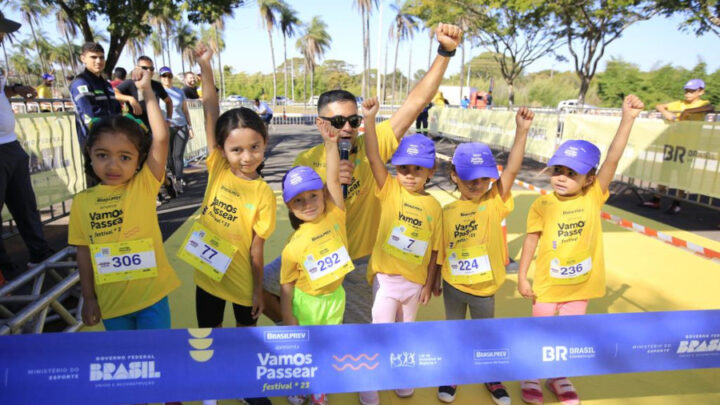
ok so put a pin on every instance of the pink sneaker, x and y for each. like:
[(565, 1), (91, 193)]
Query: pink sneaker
[(563, 390), (318, 399)]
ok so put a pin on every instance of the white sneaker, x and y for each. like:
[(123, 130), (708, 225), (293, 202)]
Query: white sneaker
[(404, 392), (296, 399), (369, 398)]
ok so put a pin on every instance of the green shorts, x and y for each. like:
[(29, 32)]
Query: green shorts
[(319, 310)]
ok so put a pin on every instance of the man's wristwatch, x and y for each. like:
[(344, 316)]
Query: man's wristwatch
[(443, 52)]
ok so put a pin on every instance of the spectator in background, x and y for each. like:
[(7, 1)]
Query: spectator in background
[(421, 123), (263, 110), (15, 186), (119, 75), (180, 130), (691, 108), (91, 92), (465, 103), (44, 90), (190, 90), (127, 92), (488, 99), (439, 100)]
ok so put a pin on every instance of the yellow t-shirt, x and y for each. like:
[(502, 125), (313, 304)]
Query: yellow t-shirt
[(110, 214), (680, 106), (569, 226), (414, 213), (467, 224), (328, 226), (234, 208), (43, 91), (363, 207)]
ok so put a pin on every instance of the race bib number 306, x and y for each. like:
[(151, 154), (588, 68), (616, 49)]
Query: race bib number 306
[(123, 261), (207, 252)]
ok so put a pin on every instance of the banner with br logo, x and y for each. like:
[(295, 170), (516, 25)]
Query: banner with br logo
[(183, 365)]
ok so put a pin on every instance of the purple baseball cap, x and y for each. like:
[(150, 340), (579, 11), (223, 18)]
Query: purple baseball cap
[(48, 76), (298, 180), (576, 154), (694, 84), (474, 160), (416, 150), (164, 70)]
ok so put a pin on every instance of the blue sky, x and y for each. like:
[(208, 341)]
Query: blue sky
[(648, 44)]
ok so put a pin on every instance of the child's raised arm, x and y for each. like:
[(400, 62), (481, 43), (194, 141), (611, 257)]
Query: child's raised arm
[(157, 157), (523, 120), (211, 105), (370, 109), (632, 106), (332, 161)]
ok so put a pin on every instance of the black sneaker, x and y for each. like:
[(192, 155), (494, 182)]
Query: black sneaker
[(446, 393), (36, 259), (498, 393), (674, 209), (256, 401)]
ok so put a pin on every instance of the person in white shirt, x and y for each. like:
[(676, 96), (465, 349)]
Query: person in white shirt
[(263, 111), (15, 186)]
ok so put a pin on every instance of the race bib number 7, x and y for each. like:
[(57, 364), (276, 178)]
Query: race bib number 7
[(123, 261), (407, 243), (207, 252)]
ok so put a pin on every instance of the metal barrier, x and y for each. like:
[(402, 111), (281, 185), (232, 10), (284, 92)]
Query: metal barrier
[(49, 291), (40, 105)]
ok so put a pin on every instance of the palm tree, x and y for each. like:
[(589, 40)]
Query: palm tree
[(268, 8), (156, 43), (185, 40), (164, 22), (136, 44), (69, 29), (31, 11), (313, 45), (289, 22), (218, 27), (365, 7), (403, 27)]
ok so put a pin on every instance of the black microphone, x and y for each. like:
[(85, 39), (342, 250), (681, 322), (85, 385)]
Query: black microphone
[(344, 145)]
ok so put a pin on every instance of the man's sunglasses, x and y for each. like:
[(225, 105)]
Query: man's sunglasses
[(339, 121), (150, 68)]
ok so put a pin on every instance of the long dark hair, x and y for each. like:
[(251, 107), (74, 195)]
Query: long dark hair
[(114, 125), (239, 118)]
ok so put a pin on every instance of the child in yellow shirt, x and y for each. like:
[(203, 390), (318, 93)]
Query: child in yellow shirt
[(225, 245), (403, 262), (125, 276), (570, 268), (315, 260), (472, 258)]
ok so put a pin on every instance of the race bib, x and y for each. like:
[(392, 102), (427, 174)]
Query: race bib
[(207, 252), (470, 265), (407, 243), (327, 263), (572, 269), (123, 261)]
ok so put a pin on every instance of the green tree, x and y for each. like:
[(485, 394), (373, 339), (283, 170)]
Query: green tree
[(289, 23), (31, 12), (365, 7), (268, 11), (312, 45), (185, 41), (130, 18), (700, 16), (590, 26), (403, 28)]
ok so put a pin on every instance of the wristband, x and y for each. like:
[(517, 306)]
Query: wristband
[(442, 52)]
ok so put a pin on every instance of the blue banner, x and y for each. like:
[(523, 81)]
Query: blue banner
[(180, 364)]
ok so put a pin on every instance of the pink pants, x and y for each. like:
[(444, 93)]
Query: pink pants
[(396, 299), (561, 308)]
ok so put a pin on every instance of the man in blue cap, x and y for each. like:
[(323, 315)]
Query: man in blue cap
[(44, 90), (691, 108)]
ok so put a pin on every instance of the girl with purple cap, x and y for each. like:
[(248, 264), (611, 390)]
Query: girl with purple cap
[(570, 268), (473, 254), (315, 260), (225, 245), (402, 265)]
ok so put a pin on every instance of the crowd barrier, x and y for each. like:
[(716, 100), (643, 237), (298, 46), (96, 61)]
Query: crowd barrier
[(682, 155), (184, 365)]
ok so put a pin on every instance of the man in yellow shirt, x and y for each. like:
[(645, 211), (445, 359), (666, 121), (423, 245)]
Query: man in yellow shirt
[(692, 108), (340, 108), (44, 90)]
